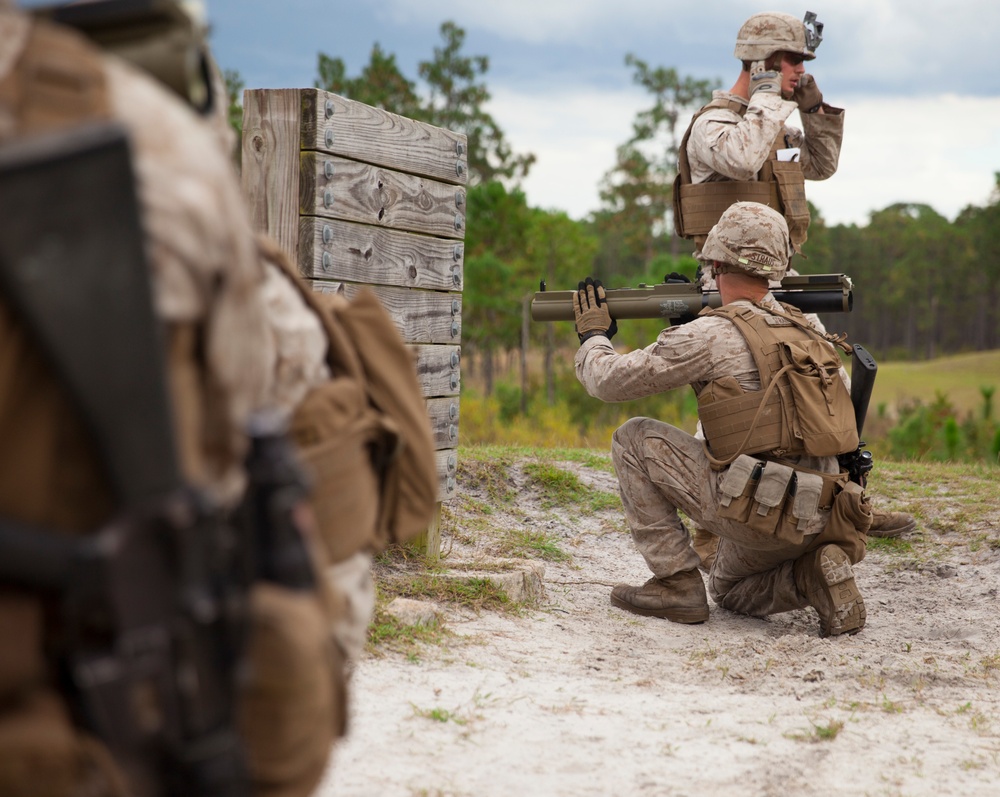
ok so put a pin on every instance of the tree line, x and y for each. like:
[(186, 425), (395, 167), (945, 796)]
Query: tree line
[(924, 286)]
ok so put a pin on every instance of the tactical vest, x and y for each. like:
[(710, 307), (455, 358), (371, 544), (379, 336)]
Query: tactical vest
[(803, 407), (779, 185)]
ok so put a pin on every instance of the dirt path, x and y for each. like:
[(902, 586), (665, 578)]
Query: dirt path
[(574, 697)]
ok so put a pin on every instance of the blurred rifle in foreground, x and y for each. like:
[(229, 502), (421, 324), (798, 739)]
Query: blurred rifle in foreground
[(679, 302)]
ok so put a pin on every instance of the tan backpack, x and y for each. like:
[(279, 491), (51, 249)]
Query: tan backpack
[(365, 433)]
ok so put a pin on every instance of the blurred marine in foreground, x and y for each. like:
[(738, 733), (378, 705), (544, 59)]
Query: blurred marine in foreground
[(185, 522)]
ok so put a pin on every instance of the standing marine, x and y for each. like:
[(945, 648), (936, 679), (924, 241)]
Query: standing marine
[(739, 147)]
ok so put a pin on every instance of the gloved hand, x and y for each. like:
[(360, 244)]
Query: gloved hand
[(807, 94), (675, 276), (591, 311), (763, 79)]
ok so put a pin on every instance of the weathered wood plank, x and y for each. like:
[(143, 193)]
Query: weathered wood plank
[(270, 170), (447, 469), (338, 188), (332, 249), (438, 369), (420, 316), (341, 126), (443, 413)]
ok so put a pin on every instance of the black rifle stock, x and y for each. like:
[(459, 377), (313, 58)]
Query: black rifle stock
[(858, 463), (677, 302)]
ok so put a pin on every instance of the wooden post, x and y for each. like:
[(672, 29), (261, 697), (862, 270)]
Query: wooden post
[(359, 197)]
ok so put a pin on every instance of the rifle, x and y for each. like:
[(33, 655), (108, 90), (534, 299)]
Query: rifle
[(858, 463), (679, 302), (154, 605)]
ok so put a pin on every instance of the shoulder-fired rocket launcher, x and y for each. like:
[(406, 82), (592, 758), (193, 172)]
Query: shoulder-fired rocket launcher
[(678, 302)]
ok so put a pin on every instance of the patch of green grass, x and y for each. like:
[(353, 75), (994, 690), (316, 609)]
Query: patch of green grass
[(817, 732), (990, 663), (385, 632), (527, 544), (896, 545), (439, 715), (489, 469), (560, 488), (476, 593), (891, 706)]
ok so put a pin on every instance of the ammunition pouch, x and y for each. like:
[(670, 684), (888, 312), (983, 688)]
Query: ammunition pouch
[(292, 703), (776, 498)]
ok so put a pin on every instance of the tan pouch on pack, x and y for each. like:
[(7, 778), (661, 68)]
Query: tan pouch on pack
[(737, 488), (822, 401), (293, 703), (769, 497), (336, 431), (801, 506), (850, 519)]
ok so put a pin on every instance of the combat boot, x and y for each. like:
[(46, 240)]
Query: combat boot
[(891, 524), (680, 598), (825, 579)]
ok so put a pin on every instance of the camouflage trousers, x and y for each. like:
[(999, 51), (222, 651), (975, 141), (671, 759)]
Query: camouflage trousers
[(661, 470)]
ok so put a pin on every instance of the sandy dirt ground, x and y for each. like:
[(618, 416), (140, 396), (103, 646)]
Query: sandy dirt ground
[(574, 697)]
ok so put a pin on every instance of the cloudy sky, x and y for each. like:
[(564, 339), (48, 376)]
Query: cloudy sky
[(920, 80)]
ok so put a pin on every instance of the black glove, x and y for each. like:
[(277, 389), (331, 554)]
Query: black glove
[(674, 276), (591, 311)]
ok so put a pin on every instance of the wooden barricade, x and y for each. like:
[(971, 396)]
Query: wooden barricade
[(362, 197)]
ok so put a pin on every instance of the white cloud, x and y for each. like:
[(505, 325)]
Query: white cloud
[(574, 136), (940, 151)]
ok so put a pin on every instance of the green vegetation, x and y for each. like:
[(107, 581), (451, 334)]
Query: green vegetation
[(527, 544), (818, 732)]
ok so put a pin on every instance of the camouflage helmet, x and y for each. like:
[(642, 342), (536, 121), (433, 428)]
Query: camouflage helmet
[(770, 32), (750, 237)]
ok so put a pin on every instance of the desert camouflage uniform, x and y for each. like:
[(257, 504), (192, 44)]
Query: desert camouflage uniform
[(212, 287), (662, 469), (726, 146), (206, 280)]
